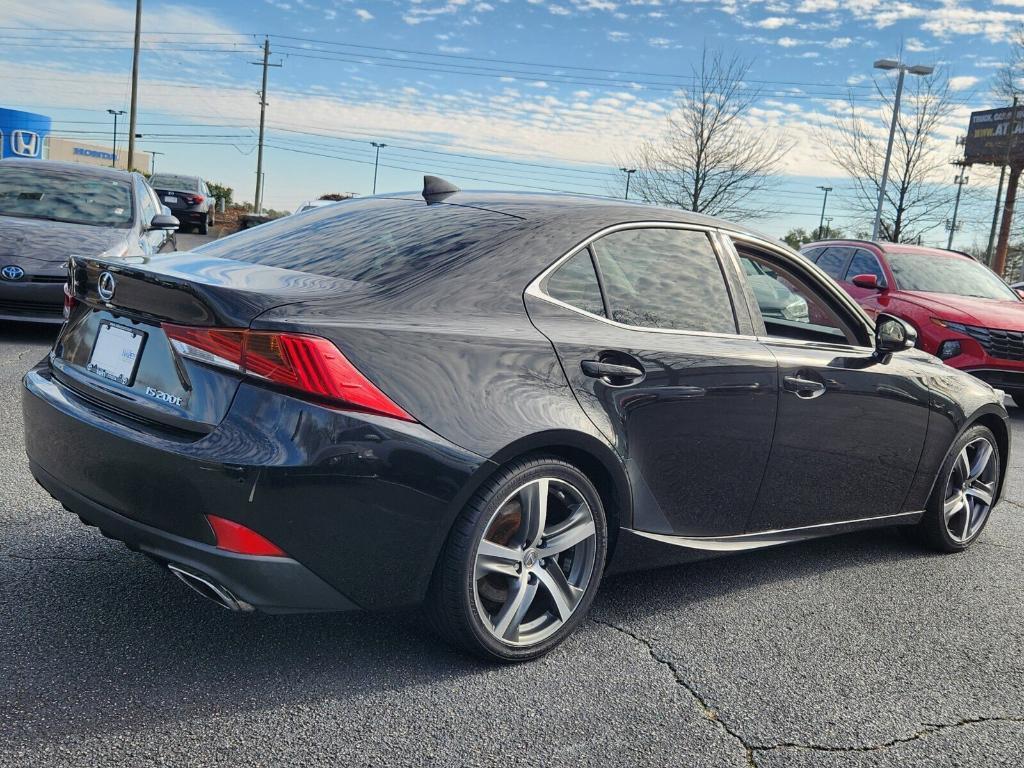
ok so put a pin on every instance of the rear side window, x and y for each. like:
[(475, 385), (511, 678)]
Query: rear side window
[(575, 283), (376, 241), (833, 261), (664, 278), (864, 263)]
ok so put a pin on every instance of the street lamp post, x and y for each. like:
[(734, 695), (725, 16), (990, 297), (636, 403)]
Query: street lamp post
[(828, 226), (959, 180), (376, 160), (902, 68), (115, 113), (152, 160), (821, 221), (629, 175)]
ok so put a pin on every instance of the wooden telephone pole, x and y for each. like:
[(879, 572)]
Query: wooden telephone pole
[(258, 202)]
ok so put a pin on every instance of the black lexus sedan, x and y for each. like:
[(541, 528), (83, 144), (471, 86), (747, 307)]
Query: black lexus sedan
[(482, 403), (50, 210)]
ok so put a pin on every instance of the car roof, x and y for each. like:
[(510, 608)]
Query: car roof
[(890, 247), (549, 206), (76, 169)]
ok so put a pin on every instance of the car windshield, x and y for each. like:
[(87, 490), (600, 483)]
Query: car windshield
[(947, 274), (171, 181), (28, 191)]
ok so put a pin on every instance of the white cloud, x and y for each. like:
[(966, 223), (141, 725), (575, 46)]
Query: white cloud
[(817, 6), (914, 45), (617, 36), (363, 14), (774, 22), (839, 42), (659, 42), (962, 82), (789, 42), (559, 10)]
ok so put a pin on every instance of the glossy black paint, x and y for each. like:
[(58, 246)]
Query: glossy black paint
[(708, 442), (41, 248)]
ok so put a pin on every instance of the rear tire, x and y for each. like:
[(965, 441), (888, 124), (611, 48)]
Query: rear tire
[(204, 228), (522, 563), (962, 500)]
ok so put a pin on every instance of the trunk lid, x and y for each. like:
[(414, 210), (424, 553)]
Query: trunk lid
[(113, 349)]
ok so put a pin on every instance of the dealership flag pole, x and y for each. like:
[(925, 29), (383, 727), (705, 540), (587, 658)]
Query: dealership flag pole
[(135, 85)]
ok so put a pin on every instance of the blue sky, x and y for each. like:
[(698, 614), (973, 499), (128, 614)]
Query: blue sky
[(562, 88)]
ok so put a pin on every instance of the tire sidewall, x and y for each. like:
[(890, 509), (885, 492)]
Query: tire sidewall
[(494, 499), (936, 520)]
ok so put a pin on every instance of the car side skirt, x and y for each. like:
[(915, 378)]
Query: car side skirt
[(643, 550)]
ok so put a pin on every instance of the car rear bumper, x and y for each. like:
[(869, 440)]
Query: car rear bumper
[(361, 503), (32, 302), (271, 584)]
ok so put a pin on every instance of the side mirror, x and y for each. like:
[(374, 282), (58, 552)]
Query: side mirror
[(893, 335), (868, 281), (164, 221)]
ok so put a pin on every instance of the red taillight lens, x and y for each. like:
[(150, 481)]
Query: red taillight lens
[(197, 199), (70, 302), (308, 364), (235, 537)]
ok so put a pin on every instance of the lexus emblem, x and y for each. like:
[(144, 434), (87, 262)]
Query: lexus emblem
[(25, 143), (105, 286), (12, 273)]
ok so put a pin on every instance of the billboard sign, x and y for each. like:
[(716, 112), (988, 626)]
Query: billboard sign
[(989, 140), (22, 133)]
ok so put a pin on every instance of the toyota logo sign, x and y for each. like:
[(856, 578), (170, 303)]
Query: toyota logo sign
[(12, 273)]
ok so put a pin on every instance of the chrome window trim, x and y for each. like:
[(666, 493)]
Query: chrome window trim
[(534, 288)]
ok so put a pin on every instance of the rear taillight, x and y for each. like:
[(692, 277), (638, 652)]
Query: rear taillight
[(307, 364), (196, 199), (235, 537), (69, 301)]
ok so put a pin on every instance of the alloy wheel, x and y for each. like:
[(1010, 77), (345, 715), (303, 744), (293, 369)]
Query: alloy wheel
[(970, 490), (534, 561)]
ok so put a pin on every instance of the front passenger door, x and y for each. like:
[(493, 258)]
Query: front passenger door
[(850, 427)]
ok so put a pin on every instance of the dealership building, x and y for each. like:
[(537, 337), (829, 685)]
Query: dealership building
[(27, 134)]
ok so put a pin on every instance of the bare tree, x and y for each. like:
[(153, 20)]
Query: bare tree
[(709, 159), (915, 199), (1008, 80)]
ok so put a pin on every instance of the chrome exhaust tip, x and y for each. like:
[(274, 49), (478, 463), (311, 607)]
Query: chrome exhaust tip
[(209, 589)]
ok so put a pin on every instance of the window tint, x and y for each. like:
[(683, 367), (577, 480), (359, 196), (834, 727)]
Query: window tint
[(812, 253), (865, 263), (956, 275), (379, 241), (575, 283), (664, 278), (833, 261), (789, 307)]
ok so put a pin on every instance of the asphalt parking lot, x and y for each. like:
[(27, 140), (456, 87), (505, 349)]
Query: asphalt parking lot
[(856, 651)]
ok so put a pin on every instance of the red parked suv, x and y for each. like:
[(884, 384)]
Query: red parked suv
[(963, 313)]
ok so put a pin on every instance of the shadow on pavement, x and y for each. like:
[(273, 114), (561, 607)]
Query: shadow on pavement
[(94, 638)]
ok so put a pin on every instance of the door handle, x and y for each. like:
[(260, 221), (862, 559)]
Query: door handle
[(597, 369), (805, 389)]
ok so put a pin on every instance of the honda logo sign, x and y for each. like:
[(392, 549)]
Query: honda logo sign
[(25, 143)]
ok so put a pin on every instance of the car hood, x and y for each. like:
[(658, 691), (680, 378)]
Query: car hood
[(1004, 314), (36, 244)]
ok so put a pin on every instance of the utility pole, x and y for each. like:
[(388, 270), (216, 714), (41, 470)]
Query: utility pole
[(1002, 178), (258, 201), (629, 175), (821, 221), (115, 113), (959, 180), (903, 69), (152, 161), (135, 85), (376, 159), (828, 226)]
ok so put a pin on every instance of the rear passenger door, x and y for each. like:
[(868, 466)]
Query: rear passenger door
[(661, 357)]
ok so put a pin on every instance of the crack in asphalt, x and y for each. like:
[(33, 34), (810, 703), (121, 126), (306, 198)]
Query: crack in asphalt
[(751, 750)]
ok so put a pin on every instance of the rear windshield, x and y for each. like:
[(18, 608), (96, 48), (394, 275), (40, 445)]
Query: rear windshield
[(180, 183), (379, 241)]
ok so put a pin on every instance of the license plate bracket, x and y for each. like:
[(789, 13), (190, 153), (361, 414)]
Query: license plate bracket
[(116, 352), (170, 199)]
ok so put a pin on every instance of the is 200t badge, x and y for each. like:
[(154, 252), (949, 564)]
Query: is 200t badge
[(161, 395)]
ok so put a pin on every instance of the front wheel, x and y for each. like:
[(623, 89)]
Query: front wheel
[(963, 496), (522, 563)]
